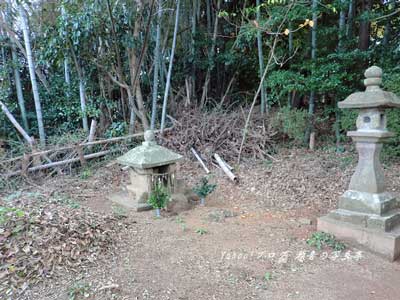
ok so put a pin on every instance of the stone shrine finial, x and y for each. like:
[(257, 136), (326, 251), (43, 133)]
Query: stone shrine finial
[(149, 138), (373, 79)]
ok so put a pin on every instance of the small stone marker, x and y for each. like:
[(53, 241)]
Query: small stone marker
[(367, 213)]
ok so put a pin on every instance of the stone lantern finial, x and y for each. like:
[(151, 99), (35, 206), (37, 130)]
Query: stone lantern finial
[(373, 78)]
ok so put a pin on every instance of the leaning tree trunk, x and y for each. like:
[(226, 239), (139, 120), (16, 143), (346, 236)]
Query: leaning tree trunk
[(31, 64), (18, 86), (16, 124), (171, 64)]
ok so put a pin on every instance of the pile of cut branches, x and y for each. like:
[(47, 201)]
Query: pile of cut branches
[(222, 133), (40, 238)]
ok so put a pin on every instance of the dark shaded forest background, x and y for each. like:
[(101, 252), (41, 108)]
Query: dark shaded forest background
[(139, 64)]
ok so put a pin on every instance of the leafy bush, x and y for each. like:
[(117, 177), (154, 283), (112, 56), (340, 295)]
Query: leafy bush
[(159, 197), (292, 123), (204, 188), (116, 129)]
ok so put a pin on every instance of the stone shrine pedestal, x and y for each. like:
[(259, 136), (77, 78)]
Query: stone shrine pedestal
[(367, 213)]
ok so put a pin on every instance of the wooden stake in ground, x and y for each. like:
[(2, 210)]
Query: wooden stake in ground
[(92, 132)]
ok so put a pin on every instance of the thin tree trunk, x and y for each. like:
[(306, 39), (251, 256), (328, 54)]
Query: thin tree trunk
[(66, 72), (25, 30), (82, 95), (192, 89), (363, 42), (67, 77), (171, 64), (208, 11), (342, 34), (82, 98), (290, 54), (118, 57), (264, 104), (18, 86), (311, 106), (13, 36), (387, 33), (350, 18), (156, 67), (135, 69), (210, 58)]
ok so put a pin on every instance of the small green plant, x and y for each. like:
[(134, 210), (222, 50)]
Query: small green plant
[(267, 276), (346, 161), (322, 239), (201, 231), (86, 173), (159, 197), (181, 222), (8, 213), (79, 291), (119, 212), (64, 199), (204, 188), (13, 196)]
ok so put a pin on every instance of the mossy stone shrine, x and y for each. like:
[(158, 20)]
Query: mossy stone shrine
[(149, 164), (367, 213)]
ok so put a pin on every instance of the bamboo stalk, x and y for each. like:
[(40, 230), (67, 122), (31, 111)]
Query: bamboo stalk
[(60, 163), (200, 160), (224, 168), (99, 142), (16, 124)]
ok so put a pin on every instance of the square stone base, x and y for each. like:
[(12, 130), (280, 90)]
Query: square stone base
[(386, 244), (124, 199)]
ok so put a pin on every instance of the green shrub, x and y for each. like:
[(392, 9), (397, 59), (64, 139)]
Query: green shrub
[(204, 188), (292, 123), (159, 197)]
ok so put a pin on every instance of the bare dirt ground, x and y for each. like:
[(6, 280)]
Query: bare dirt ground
[(248, 242)]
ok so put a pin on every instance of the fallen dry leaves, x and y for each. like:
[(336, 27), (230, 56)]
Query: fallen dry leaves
[(40, 238)]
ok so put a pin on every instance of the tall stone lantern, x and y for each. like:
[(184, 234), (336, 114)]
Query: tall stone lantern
[(367, 213)]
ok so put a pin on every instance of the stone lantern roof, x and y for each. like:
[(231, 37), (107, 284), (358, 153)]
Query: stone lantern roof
[(149, 154), (374, 96)]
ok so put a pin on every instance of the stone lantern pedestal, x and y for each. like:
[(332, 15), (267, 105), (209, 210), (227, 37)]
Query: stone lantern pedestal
[(367, 213)]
